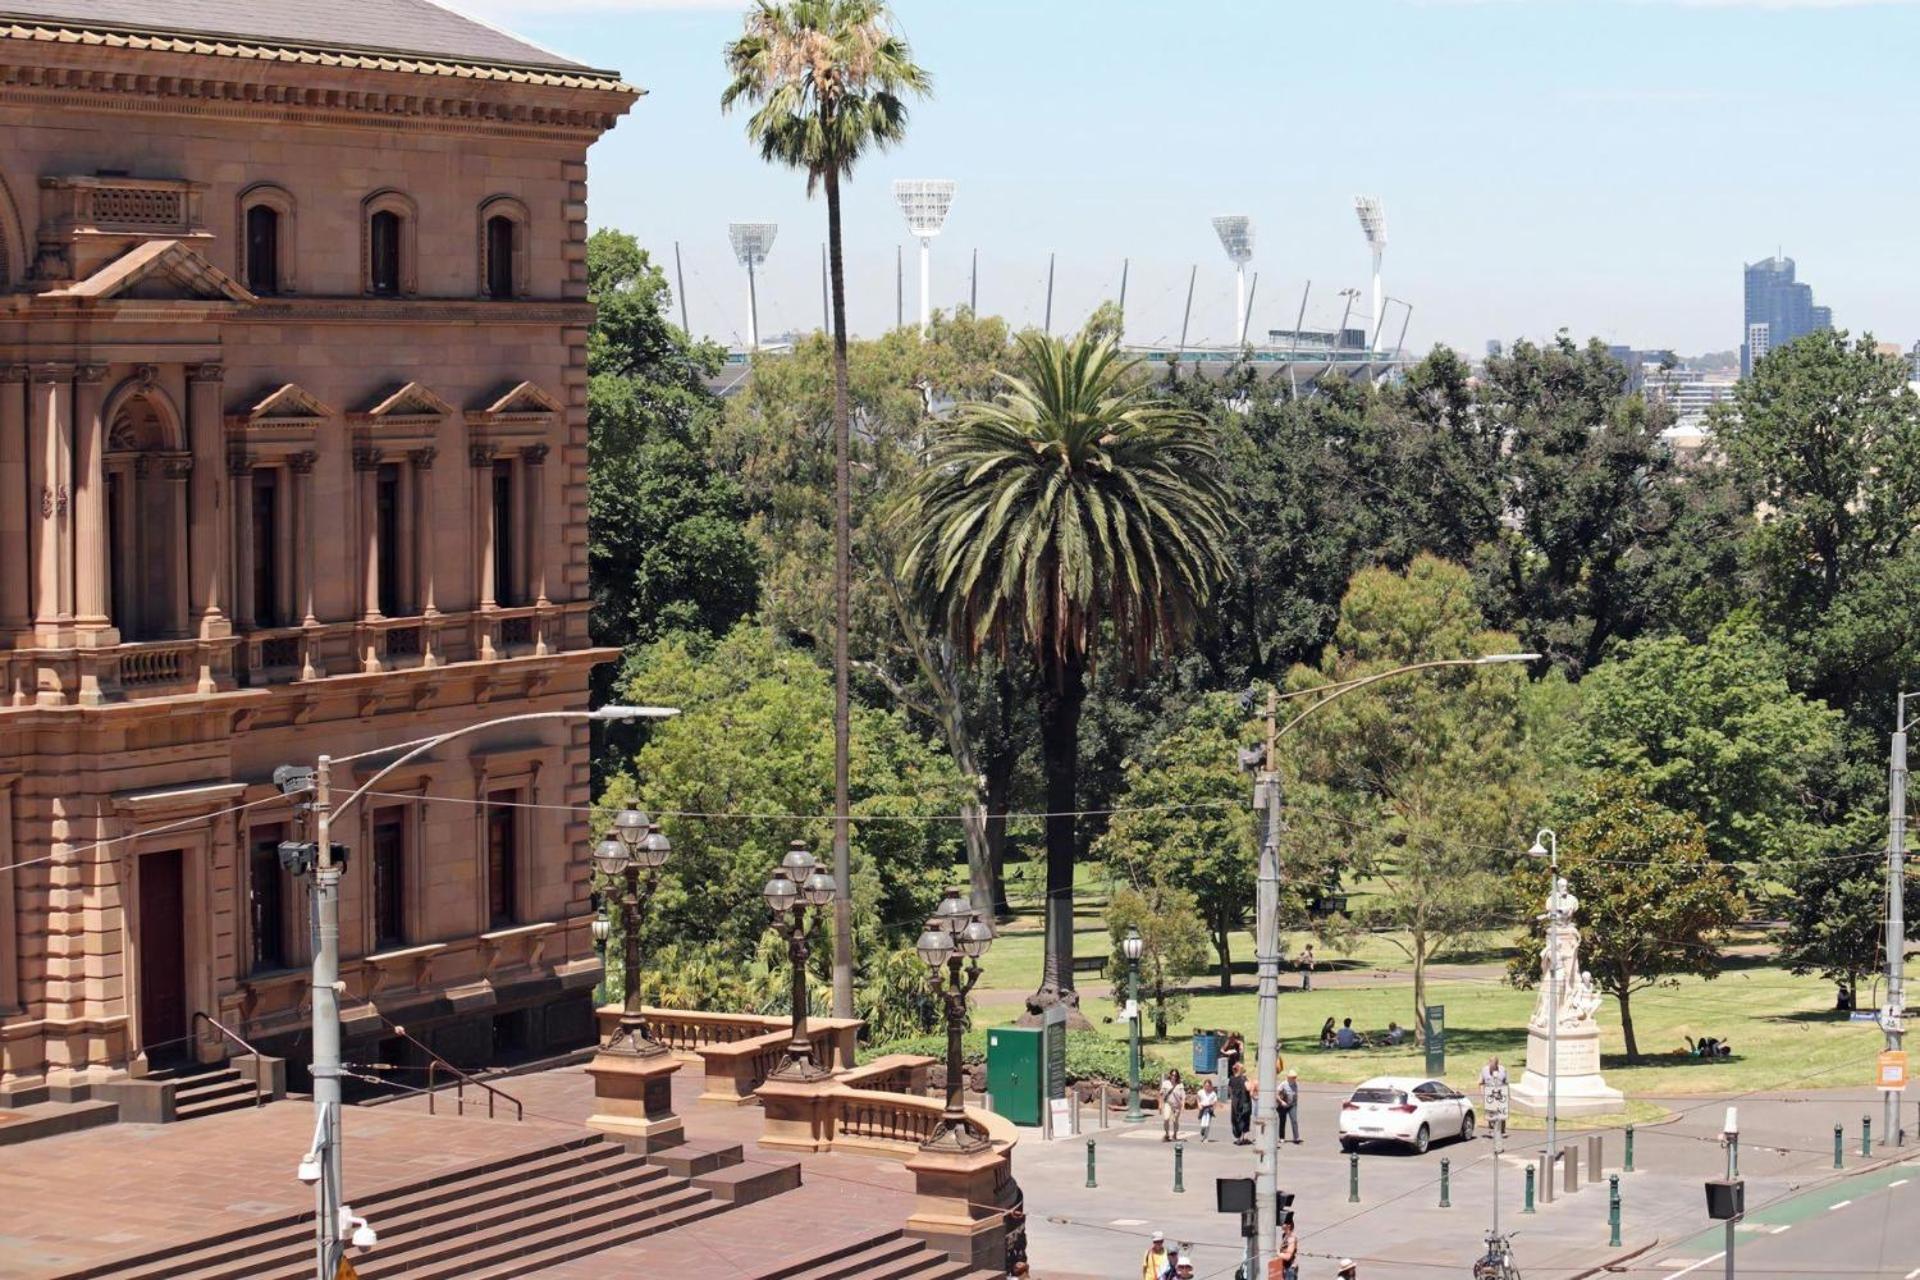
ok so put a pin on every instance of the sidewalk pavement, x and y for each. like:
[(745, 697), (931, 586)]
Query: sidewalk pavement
[(1079, 1233)]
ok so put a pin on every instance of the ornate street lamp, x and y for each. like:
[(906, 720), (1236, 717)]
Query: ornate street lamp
[(1131, 947), (956, 933), (637, 845), (796, 884)]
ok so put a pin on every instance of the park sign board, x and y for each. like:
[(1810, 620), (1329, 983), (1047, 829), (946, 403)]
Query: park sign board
[(1436, 1039), (1053, 1032)]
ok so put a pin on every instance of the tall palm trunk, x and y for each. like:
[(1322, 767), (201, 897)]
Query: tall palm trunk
[(1060, 705), (842, 614)]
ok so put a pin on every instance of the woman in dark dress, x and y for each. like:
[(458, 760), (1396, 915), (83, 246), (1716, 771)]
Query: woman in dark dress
[(1240, 1105), (1230, 1055)]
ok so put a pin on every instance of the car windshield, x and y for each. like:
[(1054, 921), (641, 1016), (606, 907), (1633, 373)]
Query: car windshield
[(1392, 1097)]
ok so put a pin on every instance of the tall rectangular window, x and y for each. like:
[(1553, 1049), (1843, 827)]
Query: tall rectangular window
[(503, 860), (504, 587), (500, 257), (266, 546), (387, 537), (383, 252), (267, 900), (263, 249), (389, 883)]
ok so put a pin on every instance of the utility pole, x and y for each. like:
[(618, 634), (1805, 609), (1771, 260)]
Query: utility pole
[(973, 289), (330, 1193), (1047, 326), (680, 275), (1246, 319), (1124, 264), (1188, 314), (1894, 1016), (1266, 801)]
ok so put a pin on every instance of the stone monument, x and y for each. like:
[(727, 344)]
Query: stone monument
[(1579, 1089)]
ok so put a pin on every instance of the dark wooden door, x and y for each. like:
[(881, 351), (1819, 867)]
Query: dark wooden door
[(163, 957)]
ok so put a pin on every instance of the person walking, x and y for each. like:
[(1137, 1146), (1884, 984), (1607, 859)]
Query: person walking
[(1306, 967), (1239, 1105), (1289, 1099), (1209, 1099), (1286, 1258), (1173, 1098), (1153, 1263), (1493, 1072)]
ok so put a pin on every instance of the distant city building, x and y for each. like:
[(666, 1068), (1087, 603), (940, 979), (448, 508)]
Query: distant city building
[(1913, 363), (1494, 348), (1778, 310), (1641, 364), (1690, 393)]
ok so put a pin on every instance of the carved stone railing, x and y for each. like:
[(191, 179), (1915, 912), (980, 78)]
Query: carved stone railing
[(149, 666), (282, 655), (518, 632), (398, 644), (736, 1070), (892, 1073)]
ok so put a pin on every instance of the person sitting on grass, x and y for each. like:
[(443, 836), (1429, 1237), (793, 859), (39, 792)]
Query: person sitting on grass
[(1326, 1034), (1395, 1033), (1347, 1037)]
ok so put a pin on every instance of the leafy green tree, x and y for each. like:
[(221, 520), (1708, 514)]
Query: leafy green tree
[(1653, 901), (1827, 435), (753, 739), (1595, 495), (668, 549), (1712, 730), (1835, 908), (1072, 506), (1173, 948), (828, 80), (1426, 782)]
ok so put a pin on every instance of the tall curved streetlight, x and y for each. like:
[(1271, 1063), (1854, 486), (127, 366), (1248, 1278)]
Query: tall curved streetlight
[(797, 884), (1555, 917), (1267, 909)]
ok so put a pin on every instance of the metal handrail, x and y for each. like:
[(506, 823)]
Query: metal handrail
[(259, 1090), (461, 1079)]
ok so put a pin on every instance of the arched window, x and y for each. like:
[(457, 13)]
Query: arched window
[(387, 245), (265, 226), (504, 272), (146, 474), (500, 257)]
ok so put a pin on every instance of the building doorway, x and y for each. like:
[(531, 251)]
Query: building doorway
[(163, 958)]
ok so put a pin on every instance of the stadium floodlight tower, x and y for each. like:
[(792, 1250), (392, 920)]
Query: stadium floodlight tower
[(1373, 225), (925, 201), (751, 243), (1236, 237)]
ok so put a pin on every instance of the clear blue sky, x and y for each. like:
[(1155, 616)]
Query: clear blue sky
[(1604, 165)]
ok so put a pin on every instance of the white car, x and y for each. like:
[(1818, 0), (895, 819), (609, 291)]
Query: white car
[(1413, 1110)]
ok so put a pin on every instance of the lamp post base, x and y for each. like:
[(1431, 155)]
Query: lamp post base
[(633, 1095), (960, 1198), (799, 1112)]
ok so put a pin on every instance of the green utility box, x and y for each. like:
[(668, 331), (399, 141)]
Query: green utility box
[(1016, 1073)]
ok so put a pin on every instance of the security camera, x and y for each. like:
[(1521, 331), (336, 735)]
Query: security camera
[(309, 1170), (364, 1236)]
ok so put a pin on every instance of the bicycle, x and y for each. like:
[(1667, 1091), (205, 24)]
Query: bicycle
[(1497, 1262)]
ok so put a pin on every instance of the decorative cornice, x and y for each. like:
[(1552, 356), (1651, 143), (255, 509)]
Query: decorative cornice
[(239, 463), (479, 455), (439, 311), (50, 372), (423, 458), (91, 375), (206, 373), (13, 373), (302, 463), (365, 458), (534, 455)]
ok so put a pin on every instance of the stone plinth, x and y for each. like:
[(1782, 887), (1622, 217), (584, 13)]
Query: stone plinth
[(959, 1203), (799, 1113), (633, 1098), (1579, 1088)]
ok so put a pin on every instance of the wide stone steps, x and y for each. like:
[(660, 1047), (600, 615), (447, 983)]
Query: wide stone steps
[(498, 1218), (889, 1255), (213, 1092)]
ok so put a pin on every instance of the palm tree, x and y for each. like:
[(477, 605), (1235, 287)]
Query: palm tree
[(1074, 512), (827, 79)]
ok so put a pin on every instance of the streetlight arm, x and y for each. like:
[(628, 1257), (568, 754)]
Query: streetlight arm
[(420, 746), (1348, 686)]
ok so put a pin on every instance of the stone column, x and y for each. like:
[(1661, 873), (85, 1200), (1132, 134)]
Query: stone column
[(92, 569), (480, 457), (245, 607), (404, 555), (213, 525), (366, 474), (425, 530), (300, 523), (533, 472), (14, 602), (516, 588), (180, 622), (50, 408), (285, 541)]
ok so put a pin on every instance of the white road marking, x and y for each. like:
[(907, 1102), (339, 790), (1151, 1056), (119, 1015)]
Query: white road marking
[(1695, 1266), (1898, 1182), (1786, 1226), (1913, 1273), (1843, 1204), (1128, 1222)]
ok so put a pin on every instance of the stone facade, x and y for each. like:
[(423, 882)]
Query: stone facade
[(292, 460)]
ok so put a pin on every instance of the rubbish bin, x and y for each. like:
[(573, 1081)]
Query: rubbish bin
[(1206, 1052)]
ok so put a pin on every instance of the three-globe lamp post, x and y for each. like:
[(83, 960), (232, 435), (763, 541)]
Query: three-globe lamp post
[(637, 845), (955, 939), (1131, 947), (797, 884)]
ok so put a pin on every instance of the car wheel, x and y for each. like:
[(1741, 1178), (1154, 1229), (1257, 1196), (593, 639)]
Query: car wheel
[(1349, 1145), (1421, 1141), (1466, 1127)]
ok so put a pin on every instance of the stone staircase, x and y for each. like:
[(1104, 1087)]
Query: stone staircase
[(886, 1255), (209, 1092), (488, 1221)]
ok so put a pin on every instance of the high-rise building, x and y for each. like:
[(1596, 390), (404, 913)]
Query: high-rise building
[(1778, 309)]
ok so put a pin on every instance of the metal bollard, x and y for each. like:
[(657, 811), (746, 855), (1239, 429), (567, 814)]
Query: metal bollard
[(1078, 1127), (1353, 1179), (1529, 1204), (1446, 1182), (1613, 1209), (1570, 1164), (1596, 1154), (1179, 1162), (1866, 1135), (1090, 1181), (1837, 1141), (1104, 1108), (1547, 1170), (1629, 1164)]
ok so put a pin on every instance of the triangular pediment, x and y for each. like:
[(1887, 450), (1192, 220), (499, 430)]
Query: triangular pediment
[(410, 401), (160, 271), (289, 403), (527, 398)]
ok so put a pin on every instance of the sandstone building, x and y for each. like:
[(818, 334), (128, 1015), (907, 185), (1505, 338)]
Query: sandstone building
[(292, 460)]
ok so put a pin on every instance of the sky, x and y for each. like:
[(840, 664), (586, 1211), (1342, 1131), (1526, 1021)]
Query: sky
[(1605, 166)]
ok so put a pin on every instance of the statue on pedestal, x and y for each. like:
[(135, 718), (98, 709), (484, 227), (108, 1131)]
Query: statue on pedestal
[(1568, 1006)]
